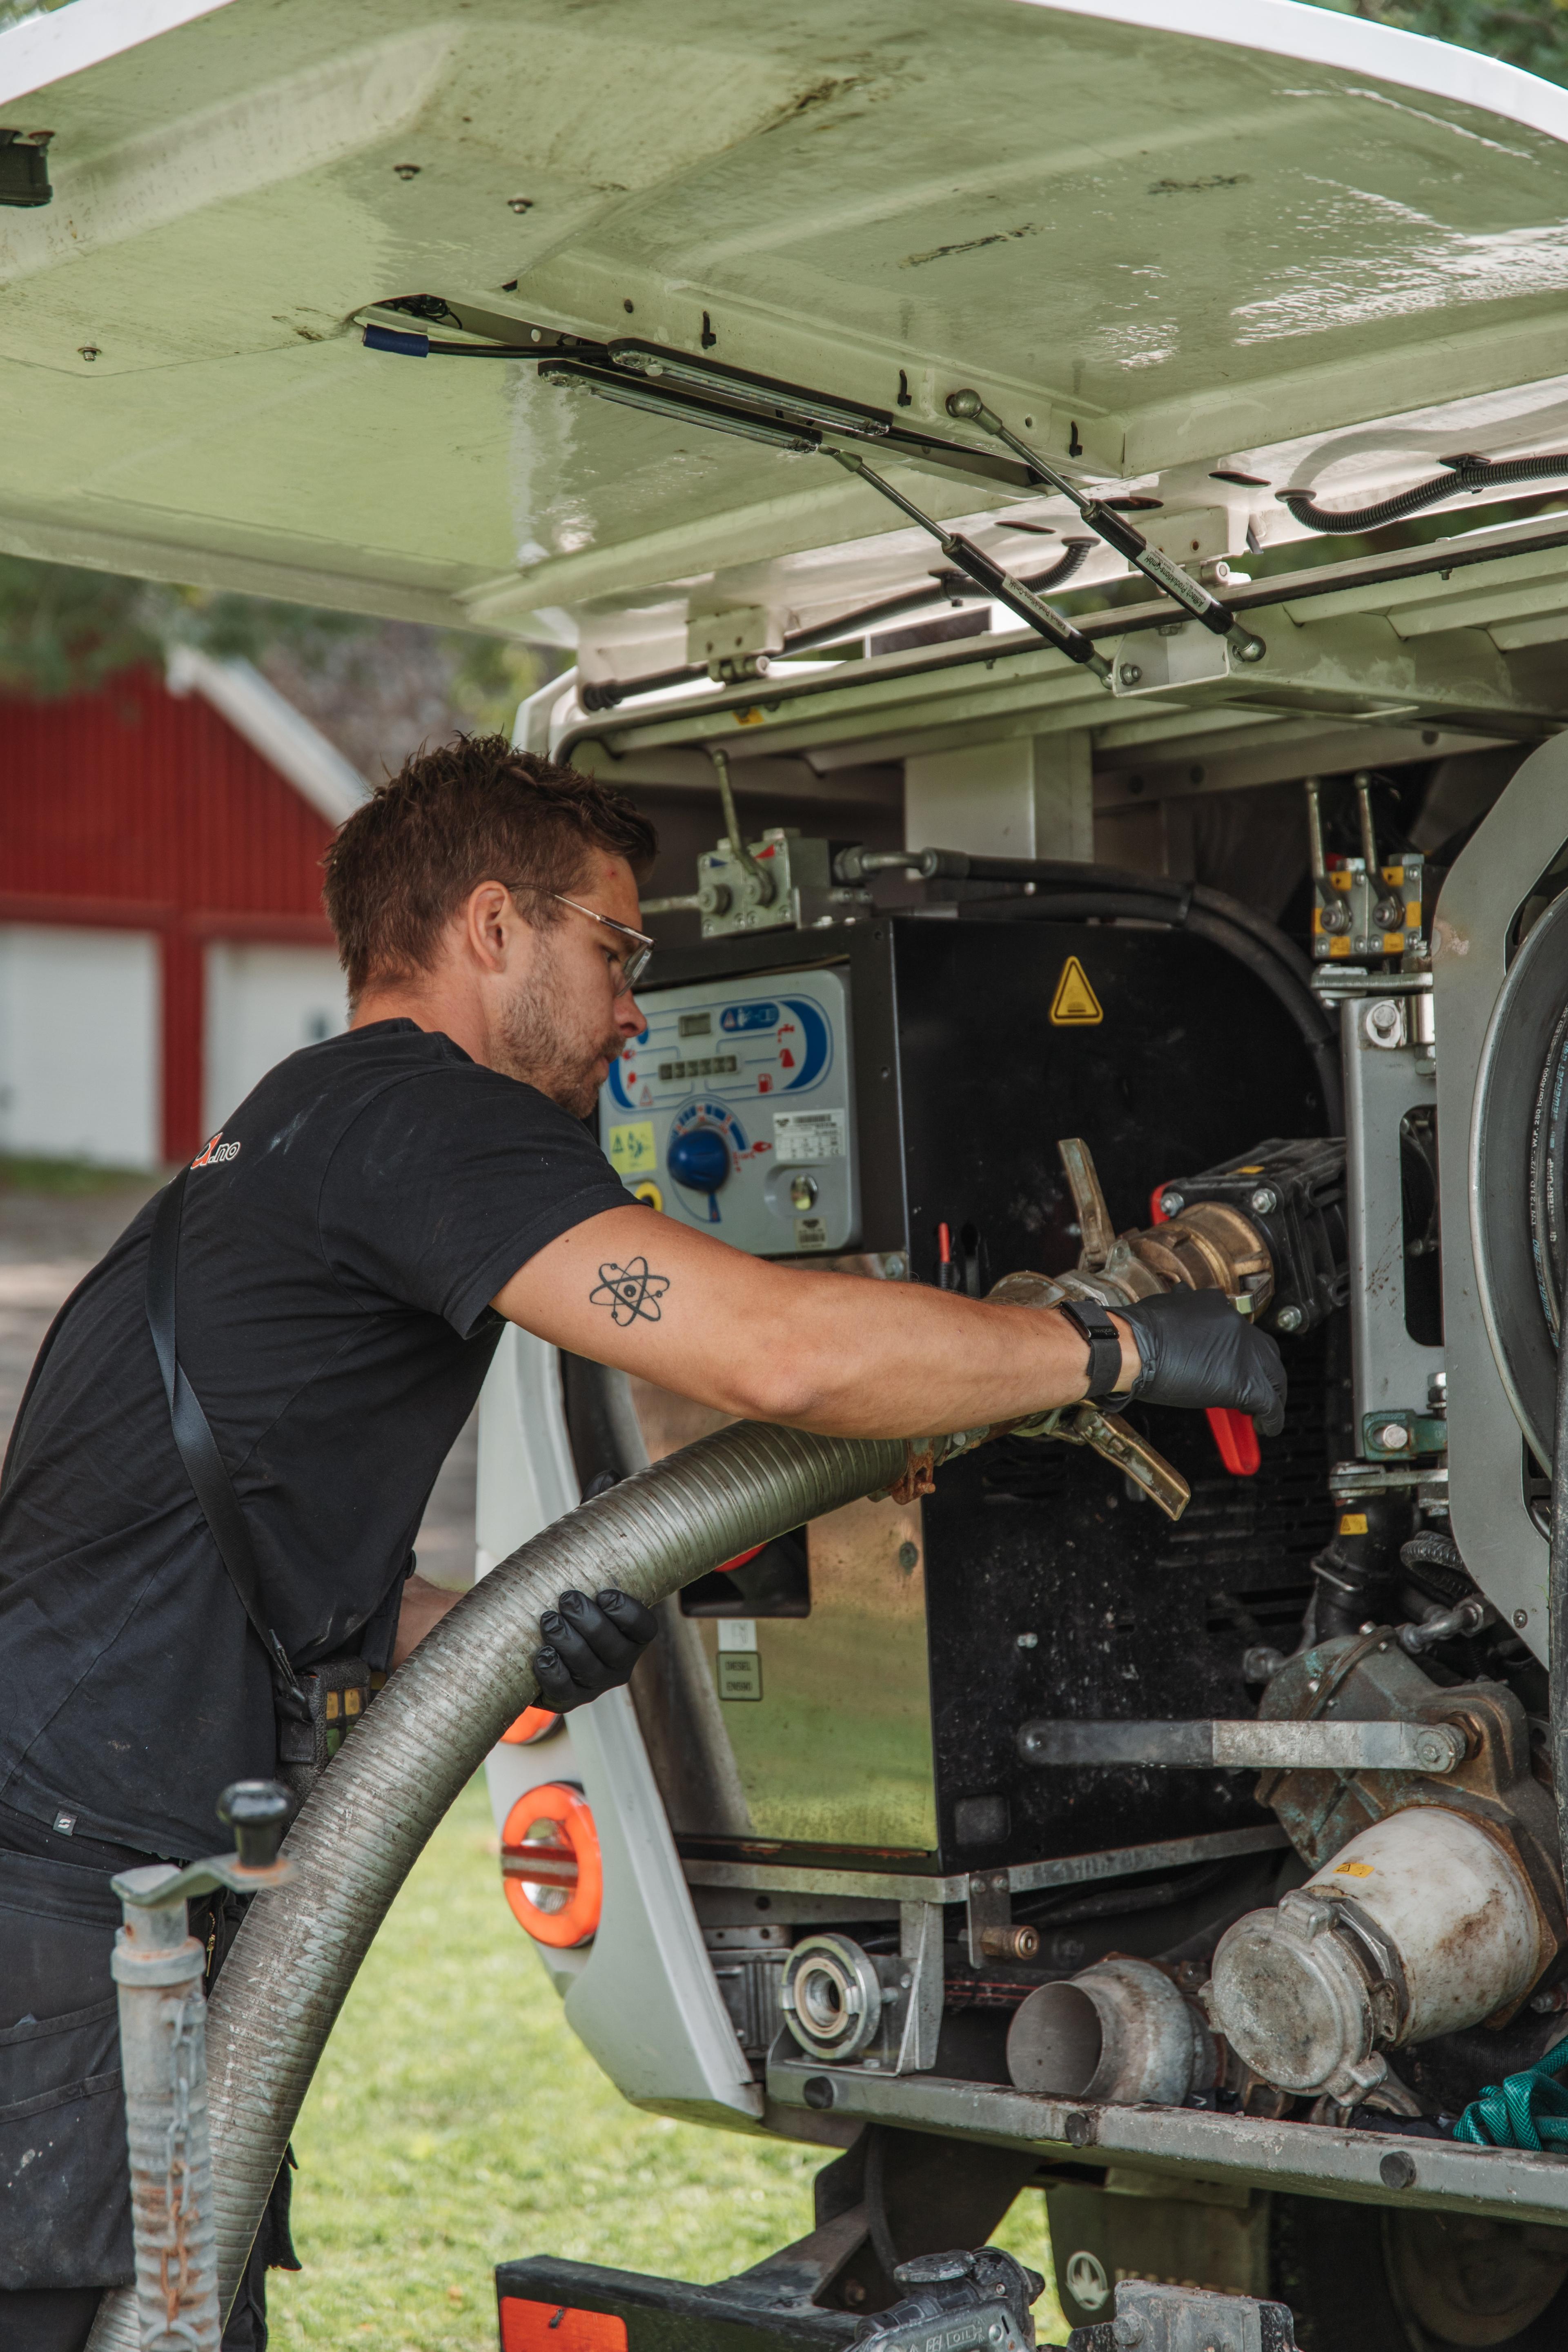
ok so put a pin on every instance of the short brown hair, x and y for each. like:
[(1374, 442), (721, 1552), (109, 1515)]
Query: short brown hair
[(474, 811)]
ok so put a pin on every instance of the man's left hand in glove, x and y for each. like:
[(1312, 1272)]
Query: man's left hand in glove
[(590, 1647)]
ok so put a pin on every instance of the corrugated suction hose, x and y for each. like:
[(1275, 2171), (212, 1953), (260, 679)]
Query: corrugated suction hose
[(370, 1816)]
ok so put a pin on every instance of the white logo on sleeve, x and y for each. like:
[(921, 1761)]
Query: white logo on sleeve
[(216, 1152)]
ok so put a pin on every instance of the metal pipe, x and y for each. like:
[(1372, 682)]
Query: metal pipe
[(1368, 833), (372, 1812), (763, 882), (1313, 787), (157, 1966)]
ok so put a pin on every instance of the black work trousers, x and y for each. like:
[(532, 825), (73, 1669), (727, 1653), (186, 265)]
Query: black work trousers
[(64, 2192)]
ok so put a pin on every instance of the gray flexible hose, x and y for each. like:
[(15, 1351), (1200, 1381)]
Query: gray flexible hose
[(370, 1814)]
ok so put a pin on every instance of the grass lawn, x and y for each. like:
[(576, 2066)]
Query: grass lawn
[(456, 2122)]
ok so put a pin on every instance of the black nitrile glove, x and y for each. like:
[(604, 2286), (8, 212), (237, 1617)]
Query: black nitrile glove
[(1195, 1350), (590, 1646)]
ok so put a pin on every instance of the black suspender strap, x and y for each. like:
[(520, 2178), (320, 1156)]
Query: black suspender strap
[(198, 1449)]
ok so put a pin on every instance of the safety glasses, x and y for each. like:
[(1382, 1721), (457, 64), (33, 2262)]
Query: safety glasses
[(632, 961)]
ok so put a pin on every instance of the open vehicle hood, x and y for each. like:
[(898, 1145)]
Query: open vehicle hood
[(1199, 251)]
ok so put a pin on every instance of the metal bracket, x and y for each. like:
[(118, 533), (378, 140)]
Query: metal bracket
[(919, 1949), (1152, 2318), (988, 1907), (1246, 1745)]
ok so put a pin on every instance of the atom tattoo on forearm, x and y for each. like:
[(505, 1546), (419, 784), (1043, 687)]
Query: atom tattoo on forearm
[(629, 1291)]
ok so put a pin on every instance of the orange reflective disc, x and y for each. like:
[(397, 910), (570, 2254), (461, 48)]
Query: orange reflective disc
[(568, 1860), (533, 1723), (527, 2326)]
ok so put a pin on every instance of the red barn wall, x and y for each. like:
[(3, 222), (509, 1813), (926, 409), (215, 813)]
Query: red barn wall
[(139, 810)]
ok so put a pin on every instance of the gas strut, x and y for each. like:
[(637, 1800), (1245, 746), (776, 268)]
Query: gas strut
[(963, 553), (1117, 532)]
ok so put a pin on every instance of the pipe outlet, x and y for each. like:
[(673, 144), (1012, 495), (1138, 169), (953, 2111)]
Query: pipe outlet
[(1118, 2032), (1420, 1926)]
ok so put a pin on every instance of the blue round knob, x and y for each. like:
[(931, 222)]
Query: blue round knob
[(699, 1159)]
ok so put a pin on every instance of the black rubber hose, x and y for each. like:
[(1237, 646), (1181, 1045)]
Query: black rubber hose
[(1463, 473), (1436, 1565), (1066, 874), (1115, 895)]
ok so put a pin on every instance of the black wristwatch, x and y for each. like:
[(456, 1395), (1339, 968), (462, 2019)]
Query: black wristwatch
[(1104, 1344)]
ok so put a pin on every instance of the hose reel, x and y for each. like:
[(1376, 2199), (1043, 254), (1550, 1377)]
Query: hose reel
[(1518, 1175)]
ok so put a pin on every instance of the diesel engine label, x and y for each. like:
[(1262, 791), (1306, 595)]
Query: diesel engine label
[(801, 1136)]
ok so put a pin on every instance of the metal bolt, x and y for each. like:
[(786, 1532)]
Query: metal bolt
[(1250, 650), (1385, 1022), (520, 203), (1394, 1438), (1521, 1618), (1080, 2129), (1129, 673), (1170, 1205), (87, 351), (1289, 1319), (1265, 1200), (1127, 2329), (1397, 2170), (1028, 1641), (407, 170)]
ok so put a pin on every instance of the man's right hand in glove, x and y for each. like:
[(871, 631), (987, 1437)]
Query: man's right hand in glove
[(1194, 1349)]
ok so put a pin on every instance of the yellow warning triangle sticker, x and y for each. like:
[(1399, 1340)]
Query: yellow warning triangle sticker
[(1075, 1004)]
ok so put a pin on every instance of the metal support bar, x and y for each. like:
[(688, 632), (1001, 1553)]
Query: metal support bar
[(1248, 1746), (801, 1875), (1117, 532), (988, 575), (1365, 2168)]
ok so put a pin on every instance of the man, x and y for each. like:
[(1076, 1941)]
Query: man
[(347, 1251)]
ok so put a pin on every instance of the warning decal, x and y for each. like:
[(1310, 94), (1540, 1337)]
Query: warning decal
[(1075, 1004)]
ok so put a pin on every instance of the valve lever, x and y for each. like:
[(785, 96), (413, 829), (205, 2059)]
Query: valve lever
[(1097, 1234)]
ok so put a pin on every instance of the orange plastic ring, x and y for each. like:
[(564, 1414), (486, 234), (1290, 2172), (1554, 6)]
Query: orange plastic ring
[(571, 1861), (533, 1723)]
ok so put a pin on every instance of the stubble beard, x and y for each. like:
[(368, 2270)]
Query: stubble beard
[(542, 1042)]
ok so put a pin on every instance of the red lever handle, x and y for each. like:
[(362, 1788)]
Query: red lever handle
[(1233, 1432)]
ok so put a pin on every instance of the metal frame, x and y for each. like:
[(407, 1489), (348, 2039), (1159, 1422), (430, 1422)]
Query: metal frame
[(1366, 2168), (1489, 882)]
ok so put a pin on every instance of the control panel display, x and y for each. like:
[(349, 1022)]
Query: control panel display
[(734, 1112)]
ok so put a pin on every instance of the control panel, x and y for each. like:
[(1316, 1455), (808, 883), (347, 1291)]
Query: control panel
[(734, 1112)]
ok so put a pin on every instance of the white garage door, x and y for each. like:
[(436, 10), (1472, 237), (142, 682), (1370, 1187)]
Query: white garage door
[(79, 1070), (264, 1004)]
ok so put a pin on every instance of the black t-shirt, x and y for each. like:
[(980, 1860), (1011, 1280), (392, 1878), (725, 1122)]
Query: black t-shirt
[(340, 1243)]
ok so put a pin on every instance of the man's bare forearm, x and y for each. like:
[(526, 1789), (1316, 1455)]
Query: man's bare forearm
[(846, 1356), (424, 1606)]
